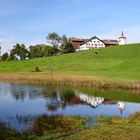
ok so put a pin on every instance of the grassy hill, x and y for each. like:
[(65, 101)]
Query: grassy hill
[(114, 63)]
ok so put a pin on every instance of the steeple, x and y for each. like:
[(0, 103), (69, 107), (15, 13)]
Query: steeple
[(122, 39), (122, 33)]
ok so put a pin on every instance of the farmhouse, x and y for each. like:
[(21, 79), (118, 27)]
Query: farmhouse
[(95, 42)]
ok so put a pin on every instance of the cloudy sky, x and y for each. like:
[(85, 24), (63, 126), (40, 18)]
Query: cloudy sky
[(29, 21)]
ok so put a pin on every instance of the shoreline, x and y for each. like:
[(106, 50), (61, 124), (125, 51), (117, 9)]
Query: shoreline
[(45, 79)]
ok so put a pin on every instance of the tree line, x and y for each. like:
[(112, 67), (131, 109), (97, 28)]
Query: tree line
[(57, 45)]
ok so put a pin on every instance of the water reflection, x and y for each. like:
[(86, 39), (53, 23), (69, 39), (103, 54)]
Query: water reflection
[(96, 101), (21, 105)]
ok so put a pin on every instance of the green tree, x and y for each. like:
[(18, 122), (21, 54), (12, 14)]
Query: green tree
[(64, 41), (42, 50), (54, 39), (19, 51), (24, 53), (36, 51), (4, 56), (68, 48)]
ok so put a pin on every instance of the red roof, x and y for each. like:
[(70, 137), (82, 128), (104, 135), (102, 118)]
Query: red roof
[(78, 39), (110, 42), (122, 37), (76, 42)]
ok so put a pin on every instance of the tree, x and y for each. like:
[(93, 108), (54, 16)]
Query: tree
[(64, 41), (54, 39), (36, 51), (23, 52), (4, 56), (19, 51), (42, 50), (68, 48)]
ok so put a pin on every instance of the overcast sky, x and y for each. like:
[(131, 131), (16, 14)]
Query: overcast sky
[(29, 21)]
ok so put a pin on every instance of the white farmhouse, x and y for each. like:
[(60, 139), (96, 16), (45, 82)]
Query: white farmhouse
[(93, 42)]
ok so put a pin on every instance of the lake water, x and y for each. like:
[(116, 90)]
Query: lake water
[(20, 105)]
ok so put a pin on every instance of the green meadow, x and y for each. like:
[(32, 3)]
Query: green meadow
[(112, 63)]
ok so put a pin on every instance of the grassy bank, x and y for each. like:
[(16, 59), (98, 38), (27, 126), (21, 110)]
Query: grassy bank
[(44, 79), (112, 128), (118, 64), (73, 128)]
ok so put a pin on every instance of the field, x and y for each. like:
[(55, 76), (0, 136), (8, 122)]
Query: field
[(119, 63)]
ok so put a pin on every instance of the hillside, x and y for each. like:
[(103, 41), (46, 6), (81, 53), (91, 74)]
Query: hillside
[(114, 63)]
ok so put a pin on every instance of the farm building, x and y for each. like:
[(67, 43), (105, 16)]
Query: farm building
[(95, 42)]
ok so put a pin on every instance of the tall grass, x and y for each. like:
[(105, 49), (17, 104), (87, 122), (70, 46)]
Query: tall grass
[(69, 81)]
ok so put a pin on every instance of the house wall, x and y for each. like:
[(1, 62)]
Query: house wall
[(122, 41), (93, 43), (76, 44)]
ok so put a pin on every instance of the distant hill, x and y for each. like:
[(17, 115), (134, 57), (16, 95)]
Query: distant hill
[(114, 63)]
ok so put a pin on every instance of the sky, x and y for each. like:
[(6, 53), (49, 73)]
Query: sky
[(30, 21)]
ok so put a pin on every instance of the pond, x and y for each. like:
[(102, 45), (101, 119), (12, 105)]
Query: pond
[(20, 105)]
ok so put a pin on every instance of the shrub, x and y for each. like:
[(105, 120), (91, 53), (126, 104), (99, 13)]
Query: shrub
[(96, 52), (54, 123), (37, 69)]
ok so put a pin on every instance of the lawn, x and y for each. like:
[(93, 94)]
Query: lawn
[(113, 63)]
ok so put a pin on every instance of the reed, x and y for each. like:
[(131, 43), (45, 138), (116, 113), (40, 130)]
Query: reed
[(43, 79)]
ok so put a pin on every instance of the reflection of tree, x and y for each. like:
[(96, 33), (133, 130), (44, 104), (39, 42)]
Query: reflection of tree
[(20, 92), (52, 107), (53, 100), (17, 93), (26, 118), (60, 98), (66, 97)]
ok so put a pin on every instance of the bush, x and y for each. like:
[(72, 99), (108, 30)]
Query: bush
[(37, 69), (96, 52), (54, 123), (4, 57)]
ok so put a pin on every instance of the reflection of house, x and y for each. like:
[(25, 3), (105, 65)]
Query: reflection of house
[(91, 100), (109, 101), (121, 106), (76, 101)]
